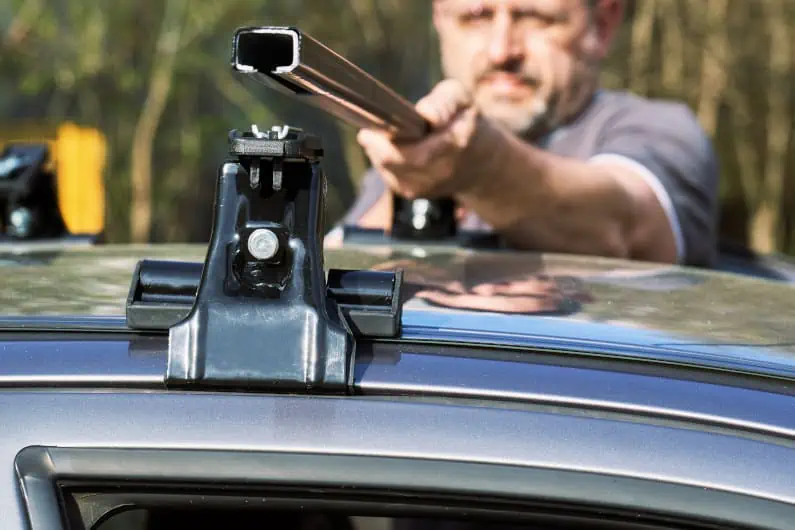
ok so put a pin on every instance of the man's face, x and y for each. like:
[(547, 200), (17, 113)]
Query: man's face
[(529, 63)]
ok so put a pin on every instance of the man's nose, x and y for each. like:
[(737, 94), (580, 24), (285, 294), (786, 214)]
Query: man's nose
[(504, 45)]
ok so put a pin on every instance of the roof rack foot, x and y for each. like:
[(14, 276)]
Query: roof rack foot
[(261, 317)]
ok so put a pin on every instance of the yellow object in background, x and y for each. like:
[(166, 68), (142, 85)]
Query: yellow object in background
[(79, 156)]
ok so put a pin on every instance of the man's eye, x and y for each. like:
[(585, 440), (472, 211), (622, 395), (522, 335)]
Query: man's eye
[(540, 17), (476, 16)]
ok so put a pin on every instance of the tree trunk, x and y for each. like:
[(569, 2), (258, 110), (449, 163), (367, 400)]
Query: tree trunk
[(744, 126), (22, 22), (149, 119), (641, 45), (714, 63), (743, 143), (257, 112), (673, 48), (765, 225)]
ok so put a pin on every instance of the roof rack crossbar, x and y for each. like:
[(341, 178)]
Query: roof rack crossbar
[(296, 64)]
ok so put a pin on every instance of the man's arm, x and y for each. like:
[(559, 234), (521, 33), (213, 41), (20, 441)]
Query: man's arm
[(649, 193), (539, 200)]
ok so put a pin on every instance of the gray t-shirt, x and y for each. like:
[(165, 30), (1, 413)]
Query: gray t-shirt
[(662, 140)]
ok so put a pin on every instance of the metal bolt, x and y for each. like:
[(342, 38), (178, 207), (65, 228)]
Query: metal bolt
[(254, 174), (263, 244), (420, 206), (21, 222), (256, 132)]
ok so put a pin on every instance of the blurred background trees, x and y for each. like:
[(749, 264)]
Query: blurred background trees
[(154, 77)]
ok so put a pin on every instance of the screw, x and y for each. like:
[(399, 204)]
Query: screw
[(263, 244), (21, 222), (256, 132)]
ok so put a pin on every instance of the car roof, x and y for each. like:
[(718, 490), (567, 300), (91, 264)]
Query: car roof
[(572, 303)]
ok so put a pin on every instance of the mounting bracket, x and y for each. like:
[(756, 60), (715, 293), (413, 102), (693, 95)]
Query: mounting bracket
[(261, 314)]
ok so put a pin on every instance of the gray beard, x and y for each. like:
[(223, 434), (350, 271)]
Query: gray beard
[(530, 125)]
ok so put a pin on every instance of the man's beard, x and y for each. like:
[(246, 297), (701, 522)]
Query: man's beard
[(530, 121), (533, 119)]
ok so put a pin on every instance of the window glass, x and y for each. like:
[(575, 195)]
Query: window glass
[(165, 518)]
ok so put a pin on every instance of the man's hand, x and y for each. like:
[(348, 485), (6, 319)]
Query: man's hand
[(427, 168)]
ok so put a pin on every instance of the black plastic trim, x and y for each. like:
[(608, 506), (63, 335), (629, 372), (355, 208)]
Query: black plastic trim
[(162, 293), (100, 501), (40, 468)]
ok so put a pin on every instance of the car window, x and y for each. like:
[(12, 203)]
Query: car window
[(87, 488), (166, 506), (167, 518)]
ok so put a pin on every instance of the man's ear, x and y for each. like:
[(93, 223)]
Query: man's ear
[(608, 16), (436, 13)]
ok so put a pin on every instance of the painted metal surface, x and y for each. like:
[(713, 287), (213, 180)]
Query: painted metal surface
[(568, 303), (60, 360), (140, 363), (548, 416), (542, 438)]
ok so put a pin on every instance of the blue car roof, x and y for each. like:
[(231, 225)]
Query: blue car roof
[(587, 305)]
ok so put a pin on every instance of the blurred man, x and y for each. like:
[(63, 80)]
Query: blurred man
[(531, 148)]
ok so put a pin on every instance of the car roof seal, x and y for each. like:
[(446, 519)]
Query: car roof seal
[(259, 313)]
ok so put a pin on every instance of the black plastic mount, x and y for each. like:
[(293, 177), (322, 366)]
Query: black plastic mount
[(423, 219), (259, 312), (28, 195)]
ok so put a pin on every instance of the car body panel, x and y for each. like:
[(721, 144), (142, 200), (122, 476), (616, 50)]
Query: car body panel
[(549, 439), (598, 367), (567, 303), (99, 361), (509, 379)]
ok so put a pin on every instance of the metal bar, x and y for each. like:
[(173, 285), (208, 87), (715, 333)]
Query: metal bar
[(294, 63)]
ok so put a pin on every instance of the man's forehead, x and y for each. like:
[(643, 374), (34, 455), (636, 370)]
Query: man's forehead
[(538, 4)]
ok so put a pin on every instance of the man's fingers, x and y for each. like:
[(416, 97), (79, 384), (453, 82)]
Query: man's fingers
[(454, 92), (379, 147), (445, 100), (367, 137), (463, 127), (425, 167), (384, 152)]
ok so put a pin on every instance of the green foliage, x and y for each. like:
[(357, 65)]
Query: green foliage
[(93, 63)]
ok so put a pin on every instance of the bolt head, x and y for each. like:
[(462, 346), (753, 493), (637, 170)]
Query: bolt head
[(21, 222), (263, 244)]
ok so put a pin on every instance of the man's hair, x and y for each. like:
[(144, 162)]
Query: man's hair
[(590, 4)]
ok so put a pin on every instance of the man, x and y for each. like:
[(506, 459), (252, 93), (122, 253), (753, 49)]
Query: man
[(530, 147)]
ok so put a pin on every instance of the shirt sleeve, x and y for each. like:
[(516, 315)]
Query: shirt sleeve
[(666, 146), (370, 190)]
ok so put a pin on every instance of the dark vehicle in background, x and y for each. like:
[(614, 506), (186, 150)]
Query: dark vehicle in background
[(394, 383), (51, 185)]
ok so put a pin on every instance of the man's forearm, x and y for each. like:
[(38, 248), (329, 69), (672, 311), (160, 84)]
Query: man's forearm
[(538, 200)]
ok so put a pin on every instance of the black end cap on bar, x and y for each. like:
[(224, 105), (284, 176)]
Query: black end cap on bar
[(266, 52), (280, 43), (161, 293), (370, 301)]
